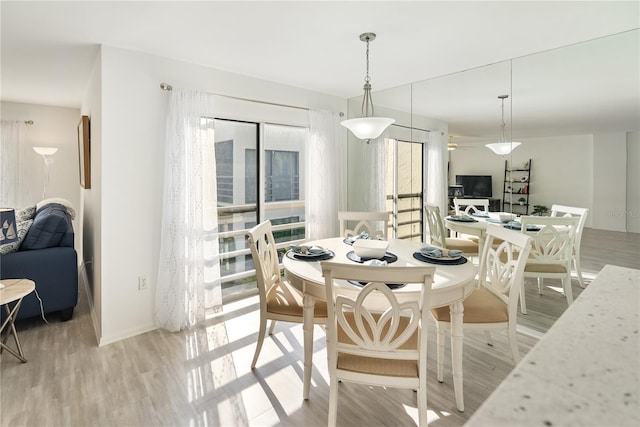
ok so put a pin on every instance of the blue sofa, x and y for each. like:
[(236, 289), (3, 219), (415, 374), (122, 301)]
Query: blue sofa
[(47, 256)]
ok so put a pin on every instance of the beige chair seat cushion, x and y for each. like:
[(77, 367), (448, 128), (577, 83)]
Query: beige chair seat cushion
[(287, 300), (465, 245), (533, 267), (481, 306), (496, 242), (376, 366), (538, 267)]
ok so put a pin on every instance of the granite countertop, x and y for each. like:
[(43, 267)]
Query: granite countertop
[(585, 371)]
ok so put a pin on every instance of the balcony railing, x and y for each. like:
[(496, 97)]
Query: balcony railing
[(415, 213), (242, 274)]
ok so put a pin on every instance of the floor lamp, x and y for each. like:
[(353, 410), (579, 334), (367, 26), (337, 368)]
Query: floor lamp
[(47, 155)]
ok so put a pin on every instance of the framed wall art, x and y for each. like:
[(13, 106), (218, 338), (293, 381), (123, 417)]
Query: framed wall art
[(84, 151)]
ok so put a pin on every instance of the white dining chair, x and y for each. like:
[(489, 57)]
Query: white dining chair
[(551, 252), (373, 337), (560, 210), (438, 237), (493, 304), (374, 223), (470, 206), (279, 301)]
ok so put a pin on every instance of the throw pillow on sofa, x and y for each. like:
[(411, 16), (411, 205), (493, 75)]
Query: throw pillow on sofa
[(49, 227), (23, 227), (25, 214)]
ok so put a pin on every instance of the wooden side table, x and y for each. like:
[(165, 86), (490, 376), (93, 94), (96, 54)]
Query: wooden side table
[(13, 290)]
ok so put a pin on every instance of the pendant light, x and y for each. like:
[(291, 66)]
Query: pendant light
[(503, 147), (367, 127)]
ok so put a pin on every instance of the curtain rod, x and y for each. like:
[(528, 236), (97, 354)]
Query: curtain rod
[(26, 122), (168, 87), (414, 128)]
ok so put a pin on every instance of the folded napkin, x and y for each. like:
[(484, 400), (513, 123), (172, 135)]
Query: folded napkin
[(375, 262), (481, 214), (363, 235), (434, 252), (307, 250)]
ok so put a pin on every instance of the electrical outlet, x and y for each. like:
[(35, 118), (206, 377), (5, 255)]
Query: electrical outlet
[(143, 283)]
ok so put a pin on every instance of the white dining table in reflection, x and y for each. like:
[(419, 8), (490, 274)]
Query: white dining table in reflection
[(476, 228), (452, 283)]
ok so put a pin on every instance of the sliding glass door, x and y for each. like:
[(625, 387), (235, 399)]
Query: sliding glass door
[(259, 176)]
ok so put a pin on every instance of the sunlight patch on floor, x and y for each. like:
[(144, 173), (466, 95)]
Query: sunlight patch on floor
[(433, 415)]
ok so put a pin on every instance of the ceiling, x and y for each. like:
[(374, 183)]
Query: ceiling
[(48, 48)]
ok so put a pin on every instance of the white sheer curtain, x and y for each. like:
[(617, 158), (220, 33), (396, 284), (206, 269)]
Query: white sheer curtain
[(188, 283), (10, 148), (324, 175), (436, 171)]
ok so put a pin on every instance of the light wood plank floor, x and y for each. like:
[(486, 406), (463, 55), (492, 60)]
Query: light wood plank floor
[(202, 377)]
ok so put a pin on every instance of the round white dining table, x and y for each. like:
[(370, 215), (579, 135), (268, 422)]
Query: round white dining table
[(477, 228), (451, 284)]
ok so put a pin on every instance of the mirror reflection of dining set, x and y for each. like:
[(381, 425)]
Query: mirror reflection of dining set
[(556, 239), (375, 295)]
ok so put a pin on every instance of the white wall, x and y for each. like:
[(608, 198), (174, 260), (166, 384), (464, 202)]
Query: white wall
[(633, 182), (91, 200), (560, 171), (52, 127), (131, 161), (610, 181)]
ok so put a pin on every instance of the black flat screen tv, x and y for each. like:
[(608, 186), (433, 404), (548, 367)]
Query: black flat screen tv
[(475, 185)]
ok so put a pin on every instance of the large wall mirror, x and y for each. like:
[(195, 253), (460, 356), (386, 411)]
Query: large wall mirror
[(572, 108)]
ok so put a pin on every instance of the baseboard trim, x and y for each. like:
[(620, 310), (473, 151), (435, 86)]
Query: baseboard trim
[(530, 332)]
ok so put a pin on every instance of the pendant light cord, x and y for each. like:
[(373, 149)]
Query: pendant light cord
[(502, 123), (367, 100)]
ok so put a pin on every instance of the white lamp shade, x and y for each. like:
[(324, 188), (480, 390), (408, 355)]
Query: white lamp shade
[(367, 127), (503, 148), (45, 151)]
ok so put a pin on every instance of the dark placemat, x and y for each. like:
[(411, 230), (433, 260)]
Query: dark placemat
[(420, 257), (389, 285), (389, 257), (518, 228), (322, 257), (460, 219)]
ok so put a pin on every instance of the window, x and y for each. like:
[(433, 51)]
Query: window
[(282, 180), (224, 171)]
